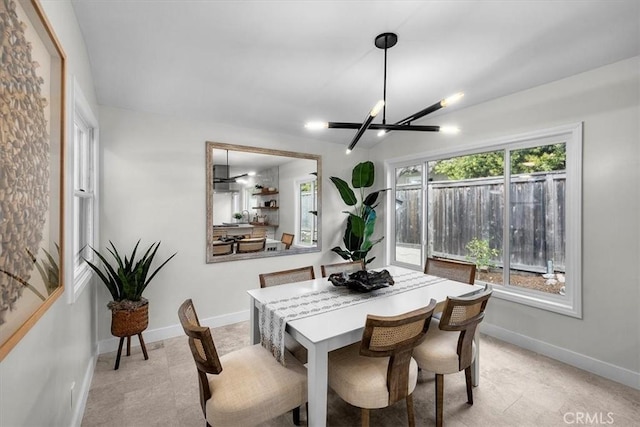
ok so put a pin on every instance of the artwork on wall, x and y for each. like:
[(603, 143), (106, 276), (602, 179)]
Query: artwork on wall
[(31, 166)]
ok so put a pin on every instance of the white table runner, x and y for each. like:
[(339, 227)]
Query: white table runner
[(275, 314)]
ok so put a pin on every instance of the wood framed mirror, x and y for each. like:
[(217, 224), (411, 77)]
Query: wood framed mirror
[(258, 197)]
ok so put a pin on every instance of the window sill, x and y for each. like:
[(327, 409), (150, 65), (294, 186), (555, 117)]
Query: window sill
[(81, 277), (554, 303)]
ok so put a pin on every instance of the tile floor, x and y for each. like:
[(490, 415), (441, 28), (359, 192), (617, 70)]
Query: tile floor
[(517, 388)]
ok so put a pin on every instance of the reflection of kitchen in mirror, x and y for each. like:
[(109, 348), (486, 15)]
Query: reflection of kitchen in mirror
[(257, 195)]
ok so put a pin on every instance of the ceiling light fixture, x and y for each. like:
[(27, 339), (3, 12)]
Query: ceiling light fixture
[(386, 41)]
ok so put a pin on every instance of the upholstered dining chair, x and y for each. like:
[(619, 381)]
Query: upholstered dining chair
[(251, 245), (287, 239), (283, 277), (341, 267), (379, 371), (449, 345), (454, 270), (244, 387), (286, 276)]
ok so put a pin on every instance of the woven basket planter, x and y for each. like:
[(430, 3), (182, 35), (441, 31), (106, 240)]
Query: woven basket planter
[(128, 321)]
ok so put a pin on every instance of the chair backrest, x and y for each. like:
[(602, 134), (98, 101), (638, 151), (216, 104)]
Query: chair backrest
[(221, 248), (341, 267), (287, 239), (395, 337), (286, 276), (202, 347), (464, 314), (259, 232), (454, 270), (251, 245)]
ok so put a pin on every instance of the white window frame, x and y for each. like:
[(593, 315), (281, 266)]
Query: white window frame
[(82, 113), (298, 208), (569, 304)]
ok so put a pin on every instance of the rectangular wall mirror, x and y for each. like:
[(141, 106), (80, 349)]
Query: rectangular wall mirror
[(261, 202)]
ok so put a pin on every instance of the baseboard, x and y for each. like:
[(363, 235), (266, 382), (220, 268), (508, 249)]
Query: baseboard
[(153, 335), (83, 393), (581, 361)]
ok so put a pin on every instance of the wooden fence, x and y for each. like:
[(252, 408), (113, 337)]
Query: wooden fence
[(460, 211)]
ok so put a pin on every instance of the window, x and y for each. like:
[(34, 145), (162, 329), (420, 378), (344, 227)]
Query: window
[(452, 205), (84, 164), (307, 217)]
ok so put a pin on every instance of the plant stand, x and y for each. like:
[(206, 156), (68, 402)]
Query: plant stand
[(128, 322)]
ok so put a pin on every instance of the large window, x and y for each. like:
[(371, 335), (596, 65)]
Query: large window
[(84, 150), (513, 209), (307, 220)]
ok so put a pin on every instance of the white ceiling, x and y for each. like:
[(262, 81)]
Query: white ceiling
[(273, 65)]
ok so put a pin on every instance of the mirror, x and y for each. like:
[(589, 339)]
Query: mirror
[(261, 202)]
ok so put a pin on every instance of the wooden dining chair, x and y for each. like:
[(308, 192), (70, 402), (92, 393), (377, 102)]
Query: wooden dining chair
[(247, 386), (286, 276), (454, 270), (449, 346), (281, 278), (287, 239), (251, 245), (379, 371), (341, 267)]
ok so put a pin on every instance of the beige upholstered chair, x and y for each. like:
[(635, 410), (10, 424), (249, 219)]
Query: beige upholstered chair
[(250, 245), (379, 371), (221, 248), (286, 276), (283, 277), (287, 239), (341, 267), (454, 270), (247, 386), (448, 347)]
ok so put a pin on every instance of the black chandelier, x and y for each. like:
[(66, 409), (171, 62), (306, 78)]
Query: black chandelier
[(386, 41)]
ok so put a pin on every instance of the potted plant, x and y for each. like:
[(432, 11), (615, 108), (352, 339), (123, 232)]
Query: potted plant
[(481, 254), (237, 216), (126, 280), (362, 219)]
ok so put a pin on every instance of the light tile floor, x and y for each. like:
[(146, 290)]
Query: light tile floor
[(517, 388)]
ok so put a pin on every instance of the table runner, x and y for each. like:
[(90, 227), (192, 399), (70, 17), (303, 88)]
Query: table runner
[(275, 314)]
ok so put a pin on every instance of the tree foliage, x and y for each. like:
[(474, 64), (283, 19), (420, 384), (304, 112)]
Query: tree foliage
[(537, 159)]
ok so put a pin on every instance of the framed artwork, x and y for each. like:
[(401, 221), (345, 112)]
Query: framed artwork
[(31, 168)]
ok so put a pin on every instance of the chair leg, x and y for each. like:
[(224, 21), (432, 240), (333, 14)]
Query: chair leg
[(296, 416), (119, 353), (439, 398), (410, 414), (467, 374), (365, 417), (144, 348)]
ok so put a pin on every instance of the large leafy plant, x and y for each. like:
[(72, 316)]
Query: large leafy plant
[(361, 220), (128, 278)]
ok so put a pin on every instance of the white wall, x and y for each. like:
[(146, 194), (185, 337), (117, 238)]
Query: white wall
[(606, 100), (36, 376), (153, 188)]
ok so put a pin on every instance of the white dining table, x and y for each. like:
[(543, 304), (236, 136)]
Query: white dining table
[(324, 332)]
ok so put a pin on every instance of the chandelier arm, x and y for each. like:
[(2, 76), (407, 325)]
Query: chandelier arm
[(360, 132), (415, 116), (387, 127)]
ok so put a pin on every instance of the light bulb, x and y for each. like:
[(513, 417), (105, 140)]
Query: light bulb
[(376, 108), (382, 133), (348, 151), (252, 173), (316, 125), (449, 129), (450, 100)]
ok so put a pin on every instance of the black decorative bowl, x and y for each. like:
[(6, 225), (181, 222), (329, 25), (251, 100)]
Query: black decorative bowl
[(363, 281)]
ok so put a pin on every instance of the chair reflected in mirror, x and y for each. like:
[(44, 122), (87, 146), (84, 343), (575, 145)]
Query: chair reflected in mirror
[(251, 245), (221, 248), (287, 239)]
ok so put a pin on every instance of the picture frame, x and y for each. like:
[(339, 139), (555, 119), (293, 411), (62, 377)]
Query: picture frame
[(32, 117)]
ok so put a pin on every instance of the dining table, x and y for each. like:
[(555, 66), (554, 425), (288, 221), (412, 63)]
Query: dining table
[(321, 331)]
